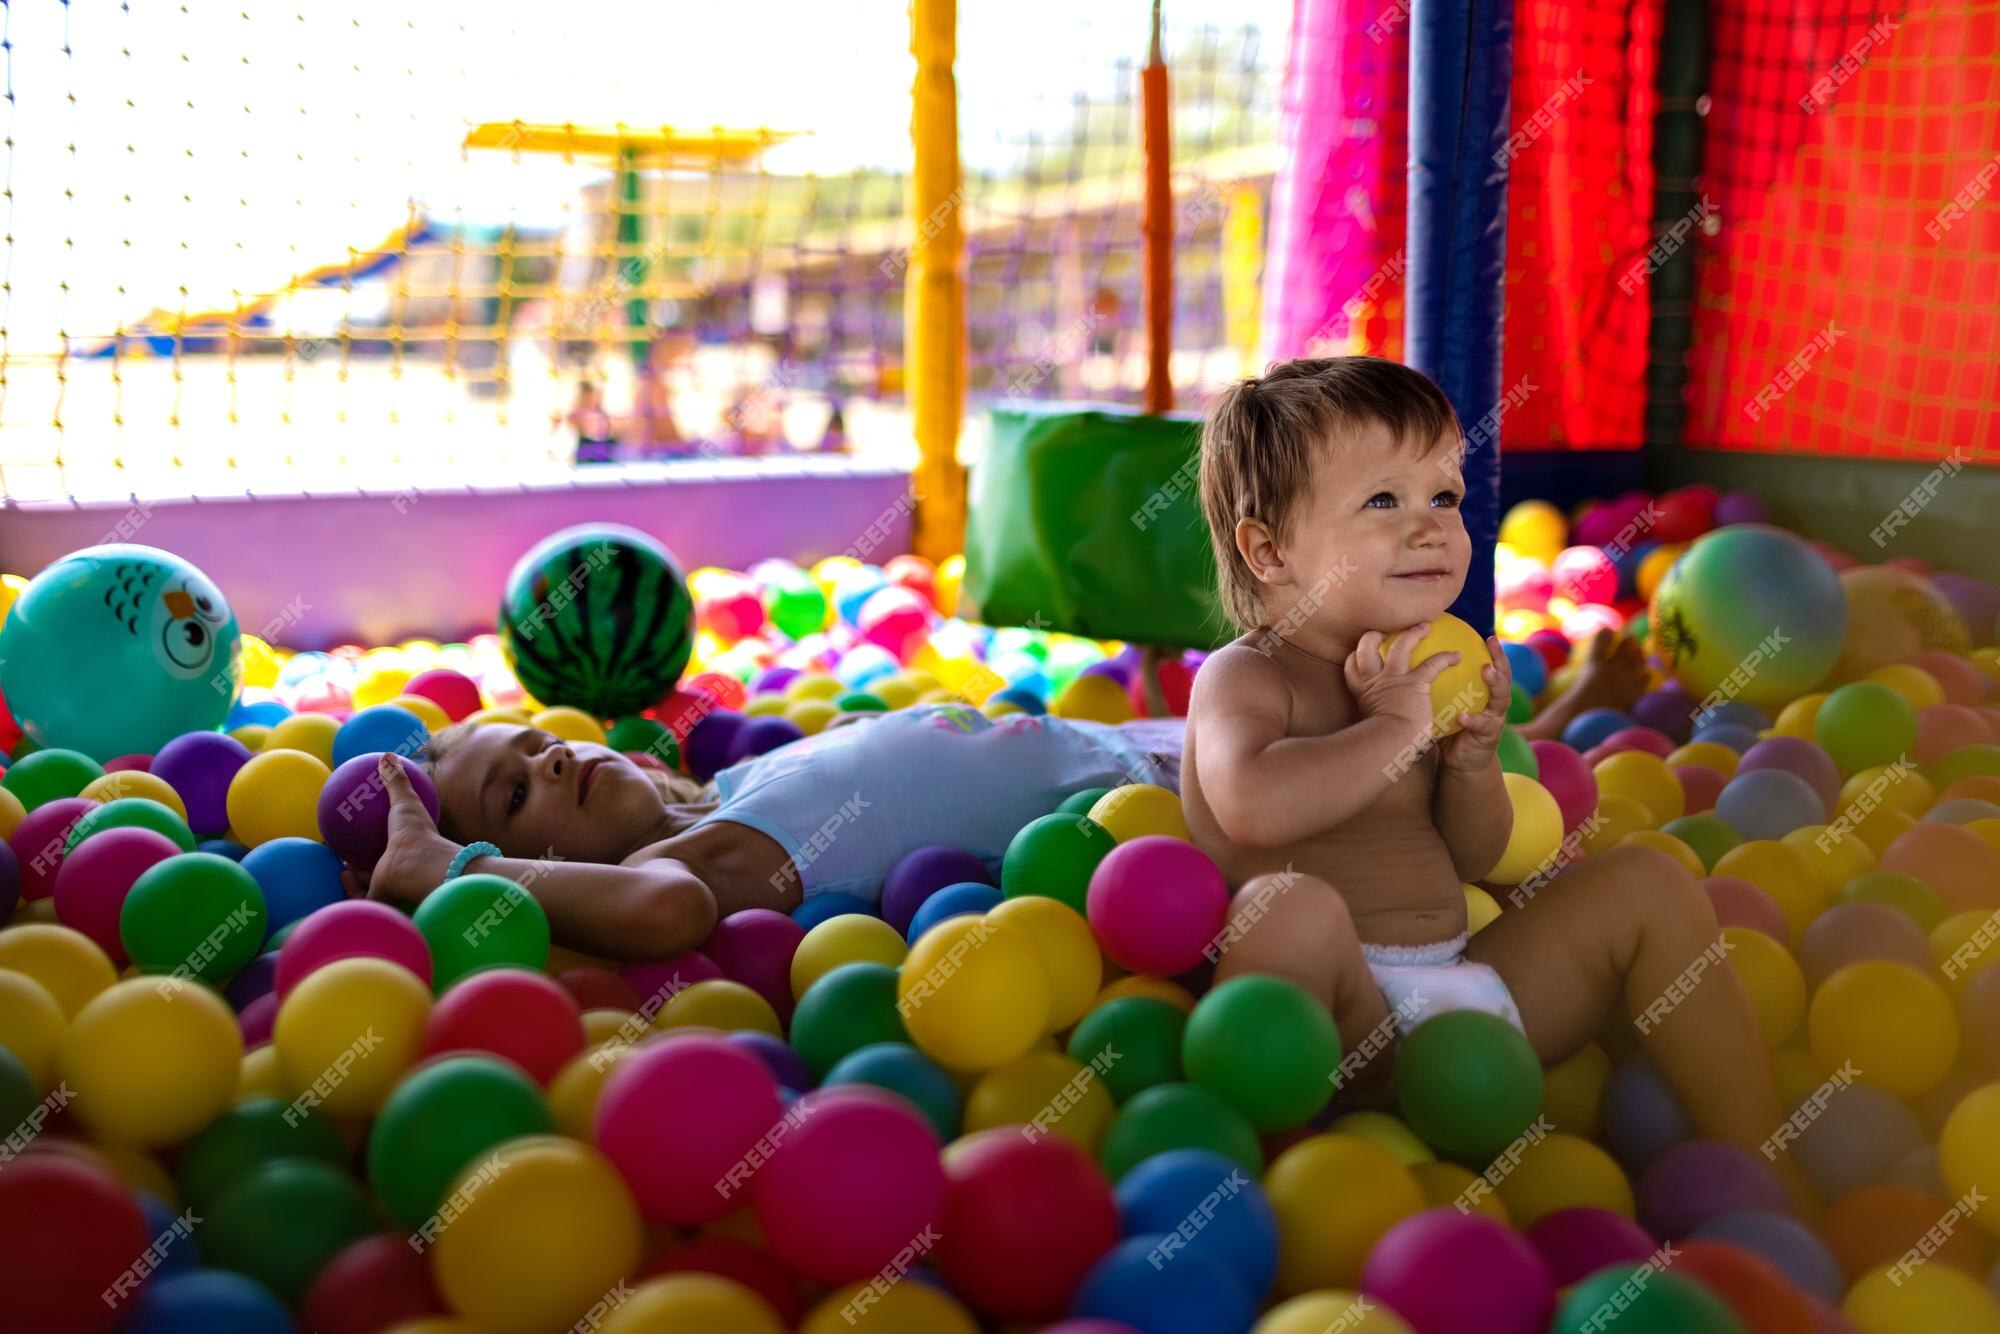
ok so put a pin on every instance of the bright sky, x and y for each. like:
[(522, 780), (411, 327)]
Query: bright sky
[(222, 147)]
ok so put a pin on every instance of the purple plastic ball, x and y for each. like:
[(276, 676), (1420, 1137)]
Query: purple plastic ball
[(1575, 1242), (1977, 602), (1768, 804), (760, 735), (705, 749), (1787, 1244), (200, 766), (923, 873), (1669, 710), (1740, 507), (1694, 1182), (10, 881), (254, 1020), (1642, 1117), (1111, 670), (786, 1066), (354, 808), (1798, 757), (1858, 1138), (1498, 1284), (258, 977), (773, 680)]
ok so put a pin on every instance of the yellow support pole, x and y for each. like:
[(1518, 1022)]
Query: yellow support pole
[(934, 284)]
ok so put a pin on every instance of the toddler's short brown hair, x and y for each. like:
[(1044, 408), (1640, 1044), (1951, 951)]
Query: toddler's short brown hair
[(1264, 435)]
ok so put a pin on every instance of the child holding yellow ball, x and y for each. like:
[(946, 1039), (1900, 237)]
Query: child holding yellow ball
[(1319, 776)]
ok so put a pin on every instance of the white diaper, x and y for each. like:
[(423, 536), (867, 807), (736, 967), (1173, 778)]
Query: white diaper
[(1419, 981)]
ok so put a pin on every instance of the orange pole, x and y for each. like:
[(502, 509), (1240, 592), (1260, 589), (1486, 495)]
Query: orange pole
[(1159, 229)]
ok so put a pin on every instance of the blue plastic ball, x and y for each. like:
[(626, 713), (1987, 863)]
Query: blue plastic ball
[(204, 1301), (1159, 1292), (854, 588), (1733, 735), (1027, 701), (1642, 1117), (176, 1244), (10, 882), (903, 1069), (1627, 563), (832, 903), (386, 727), (1238, 1229), (223, 847), (960, 900), (297, 875), (1739, 711), (1593, 727), (1769, 803), (1530, 672)]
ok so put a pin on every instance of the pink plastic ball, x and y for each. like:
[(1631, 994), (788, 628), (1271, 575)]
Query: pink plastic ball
[(1702, 785), (91, 886), (895, 618), (1527, 587), (854, 1181), (1963, 683), (733, 614), (1850, 932), (144, 763), (1943, 728), (355, 929), (1800, 758), (1552, 645), (1603, 522), (1156, 903), (1585, 574), (1568, 779), (658, 983), (1740, 903), (755, 947), (1583, 624), (38, 843), (526, 1017), (256, 1020), (1580, 1241), (454, 692), (678, 1119), (1650, 740), (1499, 1283)]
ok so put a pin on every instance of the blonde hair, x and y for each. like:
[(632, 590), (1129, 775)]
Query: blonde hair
[(675, 789), (1264, 435)]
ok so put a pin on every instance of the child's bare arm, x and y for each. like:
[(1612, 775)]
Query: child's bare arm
[(1269, 790), (648, 911), (1470, 806)]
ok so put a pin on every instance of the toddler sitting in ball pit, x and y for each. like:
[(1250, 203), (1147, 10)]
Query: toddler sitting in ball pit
[(632, 863), (1312, 777)]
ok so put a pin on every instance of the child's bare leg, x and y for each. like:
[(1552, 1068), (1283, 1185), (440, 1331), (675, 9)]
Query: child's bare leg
[(1626, 927), (1296, 927)]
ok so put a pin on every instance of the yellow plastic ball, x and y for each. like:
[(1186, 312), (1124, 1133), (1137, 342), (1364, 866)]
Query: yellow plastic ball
[(506, 717), (768, 705), (1460, 688), (727, 1007), (1708, 754), (12, 812), (1573, 1091), (31, 1026), (1516, 625), (152, 1060), (690, 1301), (1660, 841), (435, 719), (1962, 945), (1615, 819), (1773, 978), (1561, 1171), (817, 685), (1784, 873), (812, 715), (1969, 1150), (1447, 1185), (1646, 779), (1139, 984), (950, 579), (137, 1169), (67, 963), (1097, 699), (1835, 852), (134, 783), (1334, 1197), (1894, 1023), (260, 664), (606, 1024), (1798, 1072), (1135, 810), (993, 706), (1536, 834), (1926, 1299), (848, 938), (1988, 829), (276, 795), (1797, 718), (896, 693), (35, 912), (311, 733), (1331, 1309), (1881, 827), (348, 1031), (547, 1228), (1535, 529), (1481, 911), (574, 1092), (1653, 568), (570, 725), (1386, 1130), (1912, 683), (1070, 957), (974, 993), (380, 685), (258, 1076), (904, 1308), (1046, 1092), (251, 736), (1901, 789)]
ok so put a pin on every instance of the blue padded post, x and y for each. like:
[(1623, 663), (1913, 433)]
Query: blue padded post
[(1461, 71)]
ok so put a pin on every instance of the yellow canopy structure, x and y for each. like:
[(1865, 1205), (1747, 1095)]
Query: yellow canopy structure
[(630, 145)]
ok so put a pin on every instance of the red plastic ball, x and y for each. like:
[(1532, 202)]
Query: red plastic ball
[(744, 1261), (73, 1231), (1024, 1220), (1585, 574), (722, 692), (454, 692), (914, 573), (1748, 1285), (1682, 516), (1553, 645), (896, 619), (375, 1284), (734, 612), (599, 989), (129, 764), (38, 843), (526, 1017), (755, 947)]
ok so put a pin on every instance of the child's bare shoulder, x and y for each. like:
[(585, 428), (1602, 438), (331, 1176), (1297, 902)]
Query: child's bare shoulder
[(1240, 678)]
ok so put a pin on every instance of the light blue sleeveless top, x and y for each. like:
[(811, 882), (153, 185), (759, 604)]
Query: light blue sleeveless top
[(848, 803)]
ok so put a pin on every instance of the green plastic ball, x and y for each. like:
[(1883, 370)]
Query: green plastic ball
[(1178, 1116), (18, 1096), (1079, 803), (1904, 893), (861, 701), (1517, 756), (1055, 856), (1520, 705), (478, 922), (45, 775), (1267, 1047), (245, 1138), (1654, 1303), (1965, 762), (1468, 1083), (284, 1221), (796, 606), (643, 736), (1146, 1034), (133, 813), (441, 1119), (1708, 836), (1865, 724), (850, 1007), (197, 914)]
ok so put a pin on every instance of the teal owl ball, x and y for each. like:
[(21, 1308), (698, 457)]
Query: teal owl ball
[(116, 650)]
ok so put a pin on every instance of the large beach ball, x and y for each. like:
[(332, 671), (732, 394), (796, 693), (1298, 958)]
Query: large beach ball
[(1752, 611), (597, 617), (116, 650)]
